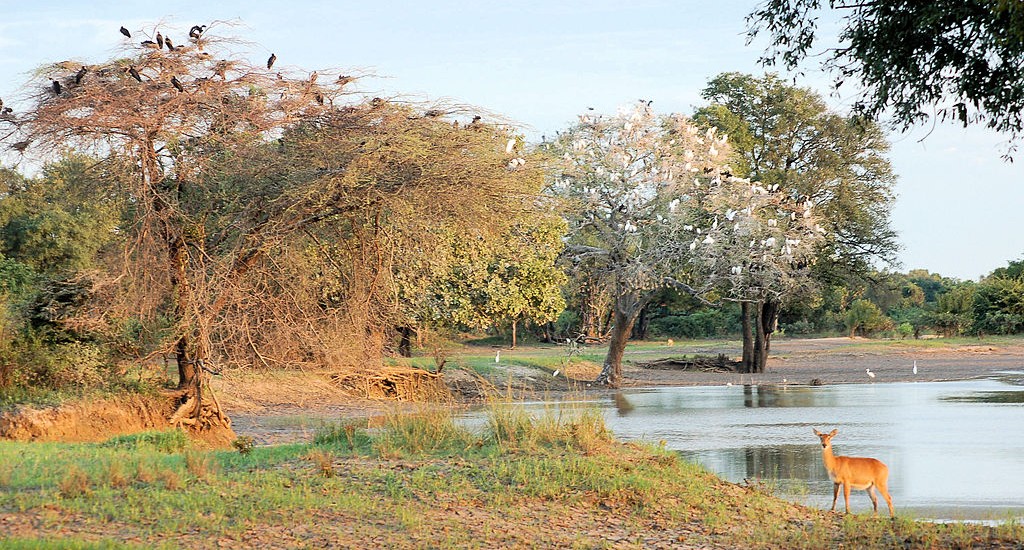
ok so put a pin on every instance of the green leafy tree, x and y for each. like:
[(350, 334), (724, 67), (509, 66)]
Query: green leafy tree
[(865, 318), (806, 156), (960, 60), (502, 281)]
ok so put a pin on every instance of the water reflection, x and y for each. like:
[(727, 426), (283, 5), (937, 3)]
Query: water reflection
[(948, 446)]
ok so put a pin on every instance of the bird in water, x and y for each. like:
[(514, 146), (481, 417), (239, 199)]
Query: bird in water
[(125, 32), (177, 84), (870, 374), (271, 60)]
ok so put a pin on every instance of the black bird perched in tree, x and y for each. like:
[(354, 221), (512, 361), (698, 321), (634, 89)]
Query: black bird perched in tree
[(56, 87), (177, 84), (125, 32), (134, 73), (271, 60), (80, 75), (345, 79), (195, 31), (319, 98), (149, 44), (159, 41), (170, 46)]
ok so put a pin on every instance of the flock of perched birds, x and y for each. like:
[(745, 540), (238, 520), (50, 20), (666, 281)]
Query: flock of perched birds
[(160, 42)]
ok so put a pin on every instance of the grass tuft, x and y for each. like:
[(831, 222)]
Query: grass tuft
[(431, 432), (74, 484), (323, 460)]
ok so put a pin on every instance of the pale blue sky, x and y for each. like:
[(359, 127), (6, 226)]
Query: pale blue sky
[(540, 63)]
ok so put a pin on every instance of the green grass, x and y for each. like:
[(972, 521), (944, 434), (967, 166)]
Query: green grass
[(556, 479)]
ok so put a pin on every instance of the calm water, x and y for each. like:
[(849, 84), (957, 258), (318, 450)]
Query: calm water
[(955, 450)]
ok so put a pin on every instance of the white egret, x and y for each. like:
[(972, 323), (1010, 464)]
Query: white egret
[(915, 366), (870, 374), (497, 356)]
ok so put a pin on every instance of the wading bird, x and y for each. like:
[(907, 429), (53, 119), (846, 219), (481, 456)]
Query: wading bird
[(870, 374)]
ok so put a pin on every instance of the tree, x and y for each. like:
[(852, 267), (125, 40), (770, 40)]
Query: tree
[(764, 250), (959, 60), (786, 138), (635, 184), (865, 317), (500, 281), (270, 214)]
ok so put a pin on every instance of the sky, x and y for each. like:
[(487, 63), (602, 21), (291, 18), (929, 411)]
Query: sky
[(540, 63)]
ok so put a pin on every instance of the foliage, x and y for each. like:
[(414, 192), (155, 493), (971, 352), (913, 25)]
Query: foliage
[(959, 60), (493, 281), (865, 318), (788, 139)]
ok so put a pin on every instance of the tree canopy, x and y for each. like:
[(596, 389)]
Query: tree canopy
[(959, 60)]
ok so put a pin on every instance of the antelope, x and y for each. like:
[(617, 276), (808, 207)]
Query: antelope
[(854, 472)]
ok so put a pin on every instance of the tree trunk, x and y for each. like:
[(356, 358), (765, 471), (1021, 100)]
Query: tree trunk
[(747, 364), (766, 317), (759, 340), (514, 323), (405, 341), (640, 326), (627, 308)]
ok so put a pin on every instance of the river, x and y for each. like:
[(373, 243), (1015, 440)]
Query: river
[(955, 450)]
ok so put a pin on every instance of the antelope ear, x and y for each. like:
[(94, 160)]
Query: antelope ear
[(816, 432), (834, 432)]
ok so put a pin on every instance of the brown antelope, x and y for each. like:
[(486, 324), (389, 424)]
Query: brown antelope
[(854, 472)]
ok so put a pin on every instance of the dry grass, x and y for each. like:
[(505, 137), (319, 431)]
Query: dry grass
[(75, 483), (323, 461)]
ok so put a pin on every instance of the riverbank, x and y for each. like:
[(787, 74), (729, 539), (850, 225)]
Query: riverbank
[(420, 482), (289, 406)]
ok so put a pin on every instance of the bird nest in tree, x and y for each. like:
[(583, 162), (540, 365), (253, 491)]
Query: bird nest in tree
[(398, 383), (720, 363)]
